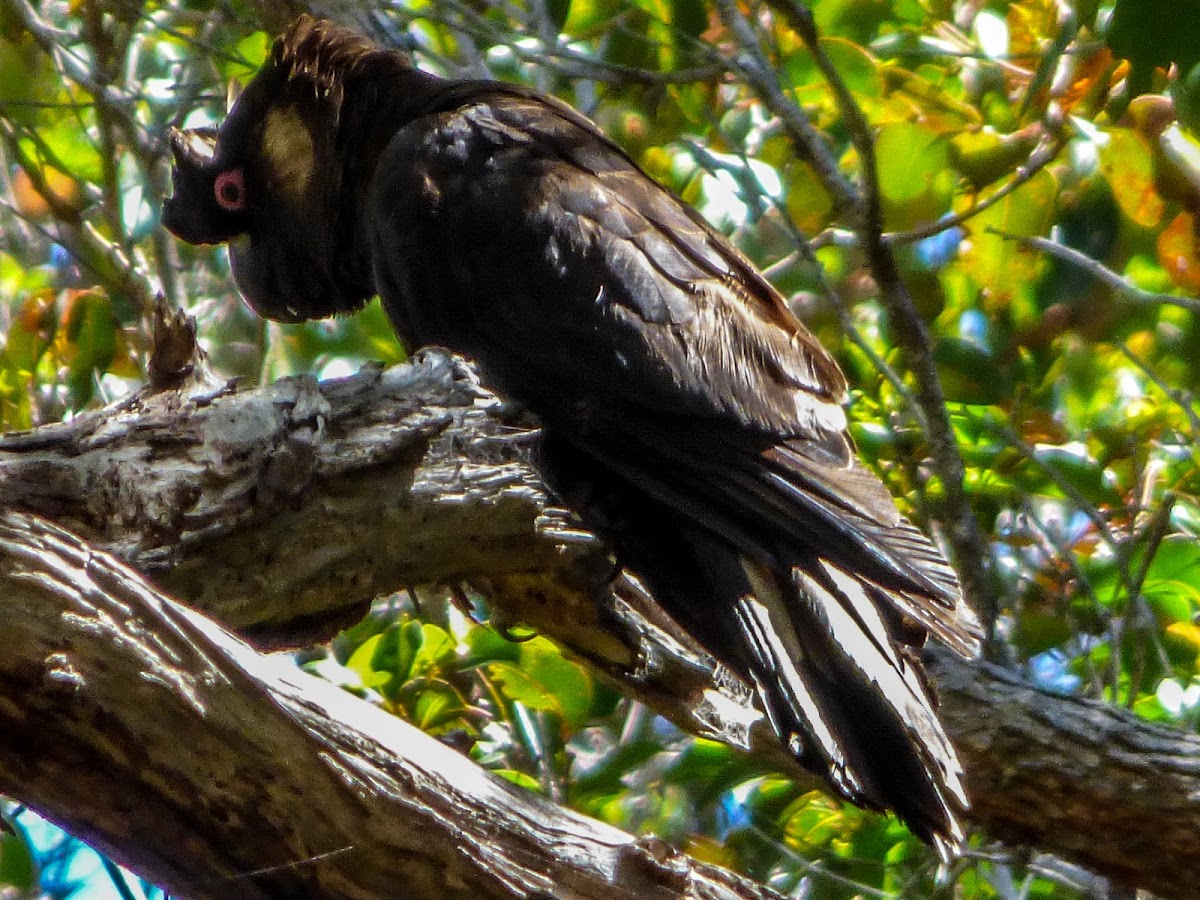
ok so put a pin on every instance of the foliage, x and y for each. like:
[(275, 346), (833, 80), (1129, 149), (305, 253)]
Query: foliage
[(1039, 178)]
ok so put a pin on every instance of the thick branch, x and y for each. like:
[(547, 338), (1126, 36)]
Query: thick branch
[(283, 510), (1084, 780), (215, 771)]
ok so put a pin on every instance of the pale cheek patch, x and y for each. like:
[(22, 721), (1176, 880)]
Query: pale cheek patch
[(287, 147)]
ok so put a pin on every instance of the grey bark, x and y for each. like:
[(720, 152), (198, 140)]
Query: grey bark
[(282, 511), (216, 772)]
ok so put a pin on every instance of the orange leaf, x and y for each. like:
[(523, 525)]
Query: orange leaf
[(1177, 252)]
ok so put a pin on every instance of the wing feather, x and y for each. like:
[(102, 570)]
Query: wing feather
[(693, 379), (682, 389)]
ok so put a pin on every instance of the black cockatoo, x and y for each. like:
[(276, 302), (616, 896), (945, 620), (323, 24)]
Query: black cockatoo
[(687, 416)]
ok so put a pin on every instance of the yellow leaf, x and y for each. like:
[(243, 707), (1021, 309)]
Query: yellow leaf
[(1185, 631)]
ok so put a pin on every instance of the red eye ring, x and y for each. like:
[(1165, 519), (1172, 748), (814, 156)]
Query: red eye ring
[(230, 190)]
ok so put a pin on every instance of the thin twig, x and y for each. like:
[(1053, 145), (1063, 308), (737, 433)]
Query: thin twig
[(752, 64), (971, 550), (1097, 270), (1044, 153), (1064, 554), (1176, 395), (104, 259), (54, 42), (1156, 532)]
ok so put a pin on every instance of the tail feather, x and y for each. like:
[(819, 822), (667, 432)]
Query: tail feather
[(776, 667), (800, 575), (846, 699)]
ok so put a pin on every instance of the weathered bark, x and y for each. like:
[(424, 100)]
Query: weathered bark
[(216, 772), (282, 511), (1086, 781)]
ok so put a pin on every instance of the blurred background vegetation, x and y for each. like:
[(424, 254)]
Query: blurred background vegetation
[(1039, 180)]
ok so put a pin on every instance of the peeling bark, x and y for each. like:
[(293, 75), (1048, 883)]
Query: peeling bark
[(282, 511)]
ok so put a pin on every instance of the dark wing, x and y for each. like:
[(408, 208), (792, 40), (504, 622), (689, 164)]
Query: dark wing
[(513, 231)]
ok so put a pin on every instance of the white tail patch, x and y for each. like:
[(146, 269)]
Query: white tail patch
[(854, 623), (764, 619), (233, 90)]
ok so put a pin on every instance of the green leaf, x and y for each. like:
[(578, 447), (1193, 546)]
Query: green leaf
[(90, 342), (18, 866), (1037, 632), (484, 645), (73, 149), (519, 778), (387, 660), (1151, 33), (435, 650), (915, 180), (857, 20), (689, 18), (31, 331), (248, 56), (363, 661), (1078, 468), (544, 679), (858, 68), (1127, 161), (436, 706), (1172, 585), (1009, 270), (970, 374), (808, 203), (558, 11)]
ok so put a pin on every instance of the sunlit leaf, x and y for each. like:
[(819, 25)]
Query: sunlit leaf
[(484, 645), (1172, 585), (808, 203), (58, 189), (519, 778), (1177, 251), (87, 342), (915, 184), (1185, 631), (435, 649), (543, 679), (1008, 269), (984, 156), (1128, 164), (435, 706)]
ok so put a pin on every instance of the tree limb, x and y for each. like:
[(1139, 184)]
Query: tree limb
[(215, 771), (282, 511)]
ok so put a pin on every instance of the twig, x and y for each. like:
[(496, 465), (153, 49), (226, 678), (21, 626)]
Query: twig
[(971, 550), (1176, 395), (103, 258), (1083, 582), (1044, 153), (53, 42), (1072, 493), (1155, 532), (1097, 270), (563, 59), (752, 64)]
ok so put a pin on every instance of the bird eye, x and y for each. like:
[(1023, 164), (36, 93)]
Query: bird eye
[(230, 189)]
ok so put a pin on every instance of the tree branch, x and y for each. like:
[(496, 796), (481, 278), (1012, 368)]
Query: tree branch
[(177, 749), (282, 511)]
